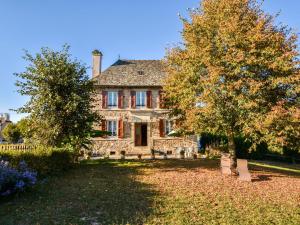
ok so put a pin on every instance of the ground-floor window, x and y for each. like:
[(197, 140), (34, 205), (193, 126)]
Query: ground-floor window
[(112, 127), (168, 127)]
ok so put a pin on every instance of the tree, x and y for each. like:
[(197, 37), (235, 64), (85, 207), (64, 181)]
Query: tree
[(11, 133), (234, 72), (61, 97), (24, 127), (283, 130)]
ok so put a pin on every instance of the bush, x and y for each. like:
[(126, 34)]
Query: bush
[(100, 133), (14, 180), (43, 160)]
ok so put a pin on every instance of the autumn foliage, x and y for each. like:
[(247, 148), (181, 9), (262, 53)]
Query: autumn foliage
[(237, 73)]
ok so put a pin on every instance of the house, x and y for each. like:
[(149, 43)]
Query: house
[(129, 98), (4, 120)]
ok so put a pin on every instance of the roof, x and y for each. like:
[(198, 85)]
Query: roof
[(133, 73)]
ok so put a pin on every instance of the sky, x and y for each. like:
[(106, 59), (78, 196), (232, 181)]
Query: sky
[(131, 29)]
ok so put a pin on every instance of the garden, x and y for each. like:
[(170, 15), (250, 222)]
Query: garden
[(158, 192)]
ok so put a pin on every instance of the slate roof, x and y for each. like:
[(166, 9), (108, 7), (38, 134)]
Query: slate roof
[(133, 73)]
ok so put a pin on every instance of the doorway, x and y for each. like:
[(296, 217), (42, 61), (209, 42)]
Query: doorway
[(140, 138)]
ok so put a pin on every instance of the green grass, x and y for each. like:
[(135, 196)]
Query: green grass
[(281, 167), (155, 192)]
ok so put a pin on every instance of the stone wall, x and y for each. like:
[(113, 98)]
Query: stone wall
[(171, 144), (105, 146)]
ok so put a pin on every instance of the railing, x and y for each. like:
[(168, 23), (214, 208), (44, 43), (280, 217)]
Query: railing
[(16, 147)]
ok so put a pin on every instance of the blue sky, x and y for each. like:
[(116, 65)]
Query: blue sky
[(133, 29)]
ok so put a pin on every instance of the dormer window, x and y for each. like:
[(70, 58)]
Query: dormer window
[(140, 72)]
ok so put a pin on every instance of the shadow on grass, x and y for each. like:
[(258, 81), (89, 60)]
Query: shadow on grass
[(100, 192), (182, 165)]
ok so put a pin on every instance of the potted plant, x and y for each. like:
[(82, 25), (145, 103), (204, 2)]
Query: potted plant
[(122, 154), (194, 156), (182, 153), (152, 154), (87, 154), (165, 156)]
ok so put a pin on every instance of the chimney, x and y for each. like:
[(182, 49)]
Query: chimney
[(97, 62)]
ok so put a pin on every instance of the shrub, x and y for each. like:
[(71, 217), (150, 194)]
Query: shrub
[(100, 133), (43, 160), (14, 180)]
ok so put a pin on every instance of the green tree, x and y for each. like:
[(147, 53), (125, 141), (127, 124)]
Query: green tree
[(11, 133), (235, 70), (61, 97), (25, 129)]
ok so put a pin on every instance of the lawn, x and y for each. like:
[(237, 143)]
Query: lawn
[(158, 192)]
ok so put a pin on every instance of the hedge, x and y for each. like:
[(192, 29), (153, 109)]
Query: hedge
[(44, 161)]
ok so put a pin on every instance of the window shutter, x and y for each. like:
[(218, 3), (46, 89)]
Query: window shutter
[(121, 129), (133, 99), (104, 99), (149, 99), (120, 100), (103, 125), (161, 128), (161, 101)]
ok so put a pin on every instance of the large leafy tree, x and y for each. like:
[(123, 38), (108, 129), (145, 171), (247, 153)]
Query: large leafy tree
[(237, 72), (61, 96)]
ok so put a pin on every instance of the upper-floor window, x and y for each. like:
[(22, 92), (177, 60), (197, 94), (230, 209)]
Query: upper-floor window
[(141, 98), (112, 127), (112, 99)]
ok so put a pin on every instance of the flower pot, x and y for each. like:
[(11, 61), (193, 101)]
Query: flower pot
[(182, 155), (165, 156), (122, 154), (194, 156)]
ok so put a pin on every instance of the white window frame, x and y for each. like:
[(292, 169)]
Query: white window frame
[(112, 127), (112, 95), (139, 95), (168, 126)]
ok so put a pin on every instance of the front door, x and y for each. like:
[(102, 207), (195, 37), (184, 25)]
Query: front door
[(140, 138)]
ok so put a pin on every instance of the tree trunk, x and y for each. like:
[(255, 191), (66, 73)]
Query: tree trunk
[(232, 151)]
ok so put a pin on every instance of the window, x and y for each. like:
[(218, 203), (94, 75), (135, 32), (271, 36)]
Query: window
[(140, 98), (112, 127), (112, 99), (140, 72), (168, 127)]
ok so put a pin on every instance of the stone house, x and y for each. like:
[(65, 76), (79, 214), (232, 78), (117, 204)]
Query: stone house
[(129, 98)]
